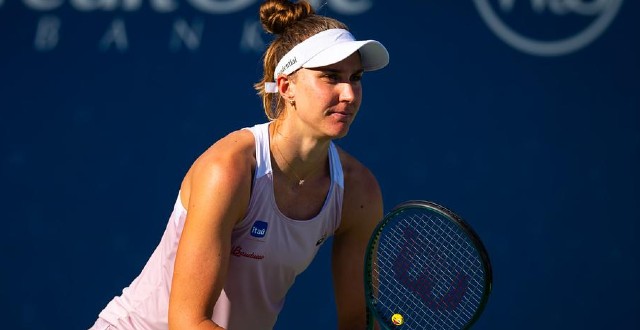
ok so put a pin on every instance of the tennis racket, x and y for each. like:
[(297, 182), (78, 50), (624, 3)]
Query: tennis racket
[(425, 268)]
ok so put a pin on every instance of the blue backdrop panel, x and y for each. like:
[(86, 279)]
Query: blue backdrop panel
[(521, 115)]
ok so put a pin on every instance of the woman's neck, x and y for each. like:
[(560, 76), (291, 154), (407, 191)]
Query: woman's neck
[(296, 155)]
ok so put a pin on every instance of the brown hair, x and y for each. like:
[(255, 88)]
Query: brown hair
[(292, 23)]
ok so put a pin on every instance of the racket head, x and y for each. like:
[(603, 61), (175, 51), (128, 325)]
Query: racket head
[(426, 264)]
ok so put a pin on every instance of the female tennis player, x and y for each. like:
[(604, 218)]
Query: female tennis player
[(254, 208)]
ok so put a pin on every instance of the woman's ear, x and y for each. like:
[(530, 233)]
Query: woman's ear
[(286, 86)]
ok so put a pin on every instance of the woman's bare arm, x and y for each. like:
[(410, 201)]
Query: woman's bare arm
[(362, 210), (217, 191)]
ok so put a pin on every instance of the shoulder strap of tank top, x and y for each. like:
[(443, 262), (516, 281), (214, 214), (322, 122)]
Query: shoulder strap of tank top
[(263, 158), (336, 166)]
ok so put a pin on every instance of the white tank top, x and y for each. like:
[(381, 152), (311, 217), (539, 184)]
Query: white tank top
[(268, 251)]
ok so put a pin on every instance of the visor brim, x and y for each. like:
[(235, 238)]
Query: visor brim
[(374, 55)]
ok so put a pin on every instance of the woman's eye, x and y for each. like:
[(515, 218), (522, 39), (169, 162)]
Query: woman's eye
[(332, 77)]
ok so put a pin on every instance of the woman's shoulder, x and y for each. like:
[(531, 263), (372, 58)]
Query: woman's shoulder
[(232, 156), (353, 169), (360, 182), (362, 199), (238, 145)]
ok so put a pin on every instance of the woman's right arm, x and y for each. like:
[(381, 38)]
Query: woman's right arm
[(216, 190)]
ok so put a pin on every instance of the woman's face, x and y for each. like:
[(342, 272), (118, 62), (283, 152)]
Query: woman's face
[(327, 99)]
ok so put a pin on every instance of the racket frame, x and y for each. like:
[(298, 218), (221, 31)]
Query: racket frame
[(371, 313)]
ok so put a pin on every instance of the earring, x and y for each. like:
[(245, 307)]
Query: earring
[(292, 102)]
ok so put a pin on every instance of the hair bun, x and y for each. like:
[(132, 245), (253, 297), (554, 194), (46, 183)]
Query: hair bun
[(277, 15)]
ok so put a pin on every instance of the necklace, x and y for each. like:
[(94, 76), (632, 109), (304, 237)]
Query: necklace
[(300, 180)]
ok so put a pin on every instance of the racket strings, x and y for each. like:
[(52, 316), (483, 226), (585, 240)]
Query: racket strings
[(427, 269)]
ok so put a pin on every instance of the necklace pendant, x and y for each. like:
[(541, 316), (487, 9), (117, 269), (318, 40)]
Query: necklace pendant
[(300, 183)]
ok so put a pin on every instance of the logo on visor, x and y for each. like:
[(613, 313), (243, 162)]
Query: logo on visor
[(288, 65), (259, 229)]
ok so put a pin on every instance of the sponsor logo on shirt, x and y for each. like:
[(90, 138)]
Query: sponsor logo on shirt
[(237, 251), (322, 239), (259, 229)]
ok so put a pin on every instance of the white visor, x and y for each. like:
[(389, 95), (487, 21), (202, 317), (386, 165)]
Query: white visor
[(326, 48)]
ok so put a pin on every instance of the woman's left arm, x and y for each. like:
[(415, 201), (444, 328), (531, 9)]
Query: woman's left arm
[(362, 210)]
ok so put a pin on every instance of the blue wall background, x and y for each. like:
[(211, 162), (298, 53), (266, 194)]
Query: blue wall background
[(539, 153)]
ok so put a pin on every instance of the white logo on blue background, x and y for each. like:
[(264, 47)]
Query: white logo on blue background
[(259, 229), (600, 13)]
